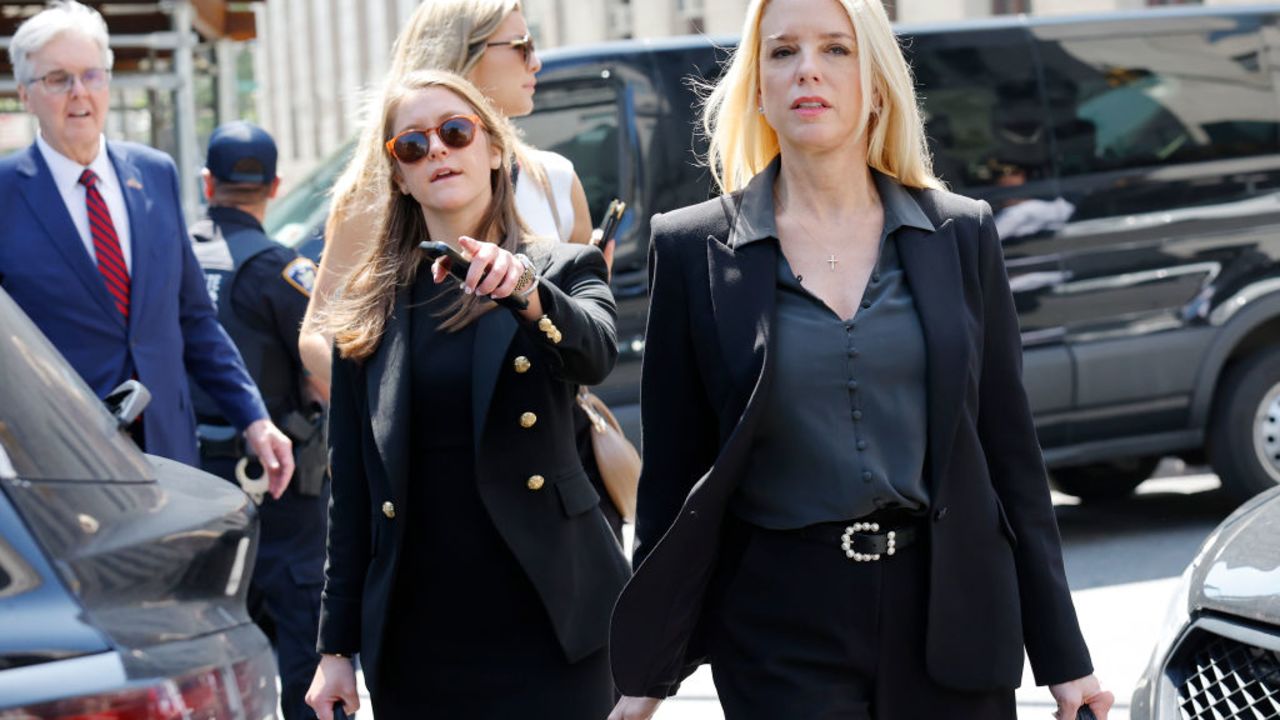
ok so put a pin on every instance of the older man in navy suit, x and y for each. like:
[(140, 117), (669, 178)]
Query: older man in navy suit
[(94, 248)]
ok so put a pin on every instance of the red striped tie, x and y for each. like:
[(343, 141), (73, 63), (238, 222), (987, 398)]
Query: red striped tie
[(106, 245)]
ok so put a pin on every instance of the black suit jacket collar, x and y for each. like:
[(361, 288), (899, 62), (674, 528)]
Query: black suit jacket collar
[(389, 392), (931, 264)]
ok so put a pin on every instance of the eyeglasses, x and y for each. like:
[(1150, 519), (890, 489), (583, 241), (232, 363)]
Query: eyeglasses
[(411, 146), (61, 81), (523, 44)]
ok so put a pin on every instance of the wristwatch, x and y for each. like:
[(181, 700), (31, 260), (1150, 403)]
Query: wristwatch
[(528, 281)]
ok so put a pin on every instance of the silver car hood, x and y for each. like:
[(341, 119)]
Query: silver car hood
[(1238, 571)]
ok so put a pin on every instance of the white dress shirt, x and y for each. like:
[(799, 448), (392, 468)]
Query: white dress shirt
[(66, 175)]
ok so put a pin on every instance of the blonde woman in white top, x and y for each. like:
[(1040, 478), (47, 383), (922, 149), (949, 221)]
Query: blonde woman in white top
[(488, 43)]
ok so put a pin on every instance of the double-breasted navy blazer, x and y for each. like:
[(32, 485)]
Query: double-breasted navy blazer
[(530, 479), (172, 329), (996, 574)]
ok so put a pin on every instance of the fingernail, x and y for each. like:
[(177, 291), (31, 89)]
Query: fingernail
[(466, 289)]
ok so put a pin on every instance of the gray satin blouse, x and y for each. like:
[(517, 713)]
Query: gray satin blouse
[(843, 429)]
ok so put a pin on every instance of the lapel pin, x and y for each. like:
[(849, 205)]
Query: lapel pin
[(133, 183)]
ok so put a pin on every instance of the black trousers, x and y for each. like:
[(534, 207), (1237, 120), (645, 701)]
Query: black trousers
[(806, 633)]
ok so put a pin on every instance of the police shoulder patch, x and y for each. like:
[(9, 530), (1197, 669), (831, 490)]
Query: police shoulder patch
[(301, 274)]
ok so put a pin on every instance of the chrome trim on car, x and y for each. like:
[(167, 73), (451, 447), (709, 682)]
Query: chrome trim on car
[(85, 675)]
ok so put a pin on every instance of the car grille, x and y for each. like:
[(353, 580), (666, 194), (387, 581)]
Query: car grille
[(1224, 679)]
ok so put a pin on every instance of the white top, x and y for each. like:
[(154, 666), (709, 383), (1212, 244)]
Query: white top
[(532, 202), (66, 175)]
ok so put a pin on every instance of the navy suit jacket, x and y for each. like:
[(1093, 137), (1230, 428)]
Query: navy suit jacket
[(172, 327)]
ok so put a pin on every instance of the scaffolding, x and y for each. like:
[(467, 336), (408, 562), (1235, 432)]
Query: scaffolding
[(158, 47)]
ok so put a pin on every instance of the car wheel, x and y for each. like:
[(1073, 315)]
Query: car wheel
[(1104, 481), (1244, 431)]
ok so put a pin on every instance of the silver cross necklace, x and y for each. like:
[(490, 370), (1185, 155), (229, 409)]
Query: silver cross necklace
[(831, 261)]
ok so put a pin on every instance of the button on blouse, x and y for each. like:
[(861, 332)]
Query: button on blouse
[(843, 430)]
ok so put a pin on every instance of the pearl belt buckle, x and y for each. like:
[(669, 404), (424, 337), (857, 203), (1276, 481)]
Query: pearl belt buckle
[(846, 542)]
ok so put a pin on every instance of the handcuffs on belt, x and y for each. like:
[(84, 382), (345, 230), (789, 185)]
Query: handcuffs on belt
[(256, 488)]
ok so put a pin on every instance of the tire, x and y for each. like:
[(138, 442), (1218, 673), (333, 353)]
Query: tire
[(1244, 429), (1102, 482)]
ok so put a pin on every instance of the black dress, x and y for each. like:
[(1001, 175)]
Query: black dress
[(467, 635)]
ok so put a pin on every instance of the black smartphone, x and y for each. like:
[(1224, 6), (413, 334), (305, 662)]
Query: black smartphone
[(459, 267), (340, 712), (1085, 713), (612, 218)]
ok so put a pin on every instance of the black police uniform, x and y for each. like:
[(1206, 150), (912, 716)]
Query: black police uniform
[(261, 289)]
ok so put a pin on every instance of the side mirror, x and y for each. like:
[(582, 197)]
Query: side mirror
[(127, 401)]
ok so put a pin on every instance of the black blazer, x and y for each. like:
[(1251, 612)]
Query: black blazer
[(552, 522), (996, 572)]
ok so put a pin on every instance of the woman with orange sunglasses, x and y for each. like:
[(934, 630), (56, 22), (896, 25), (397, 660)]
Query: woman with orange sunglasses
[(488, 43), (469, 564)]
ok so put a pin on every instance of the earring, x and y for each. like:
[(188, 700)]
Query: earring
[(760, 109)]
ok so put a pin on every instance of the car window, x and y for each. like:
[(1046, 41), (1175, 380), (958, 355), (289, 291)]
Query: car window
[(579, 119), (52, 426), (983, 114), (293, 218), (1182, 96)]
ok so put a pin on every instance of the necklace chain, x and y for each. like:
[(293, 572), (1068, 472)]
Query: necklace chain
[(831, 261)]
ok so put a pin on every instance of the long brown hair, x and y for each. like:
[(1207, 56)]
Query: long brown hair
[(358, 317)]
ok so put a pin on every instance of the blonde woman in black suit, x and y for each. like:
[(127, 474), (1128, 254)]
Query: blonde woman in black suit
[(843, 506)]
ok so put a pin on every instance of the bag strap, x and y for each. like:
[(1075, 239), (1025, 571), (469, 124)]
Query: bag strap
[(732, 205), (587, 401), (544, 182)]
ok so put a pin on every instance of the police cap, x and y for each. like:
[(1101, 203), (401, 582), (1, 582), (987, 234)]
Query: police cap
[(241, 152)]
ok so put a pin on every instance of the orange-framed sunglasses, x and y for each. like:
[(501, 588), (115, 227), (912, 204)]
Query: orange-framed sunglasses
[(414, 144)]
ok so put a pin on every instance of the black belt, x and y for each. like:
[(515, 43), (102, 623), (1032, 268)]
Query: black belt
[(870, 539)]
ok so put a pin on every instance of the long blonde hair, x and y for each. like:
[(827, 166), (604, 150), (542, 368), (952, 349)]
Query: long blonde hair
[(358, 316), (742, 142), (440, 35)]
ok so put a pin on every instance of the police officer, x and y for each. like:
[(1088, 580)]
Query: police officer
[(261, 289)]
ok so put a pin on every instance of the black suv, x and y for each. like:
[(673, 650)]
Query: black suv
[(1133, 163)]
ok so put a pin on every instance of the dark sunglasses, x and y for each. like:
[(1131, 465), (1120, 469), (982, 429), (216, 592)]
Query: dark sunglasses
[(413, 145), (523, 44)]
